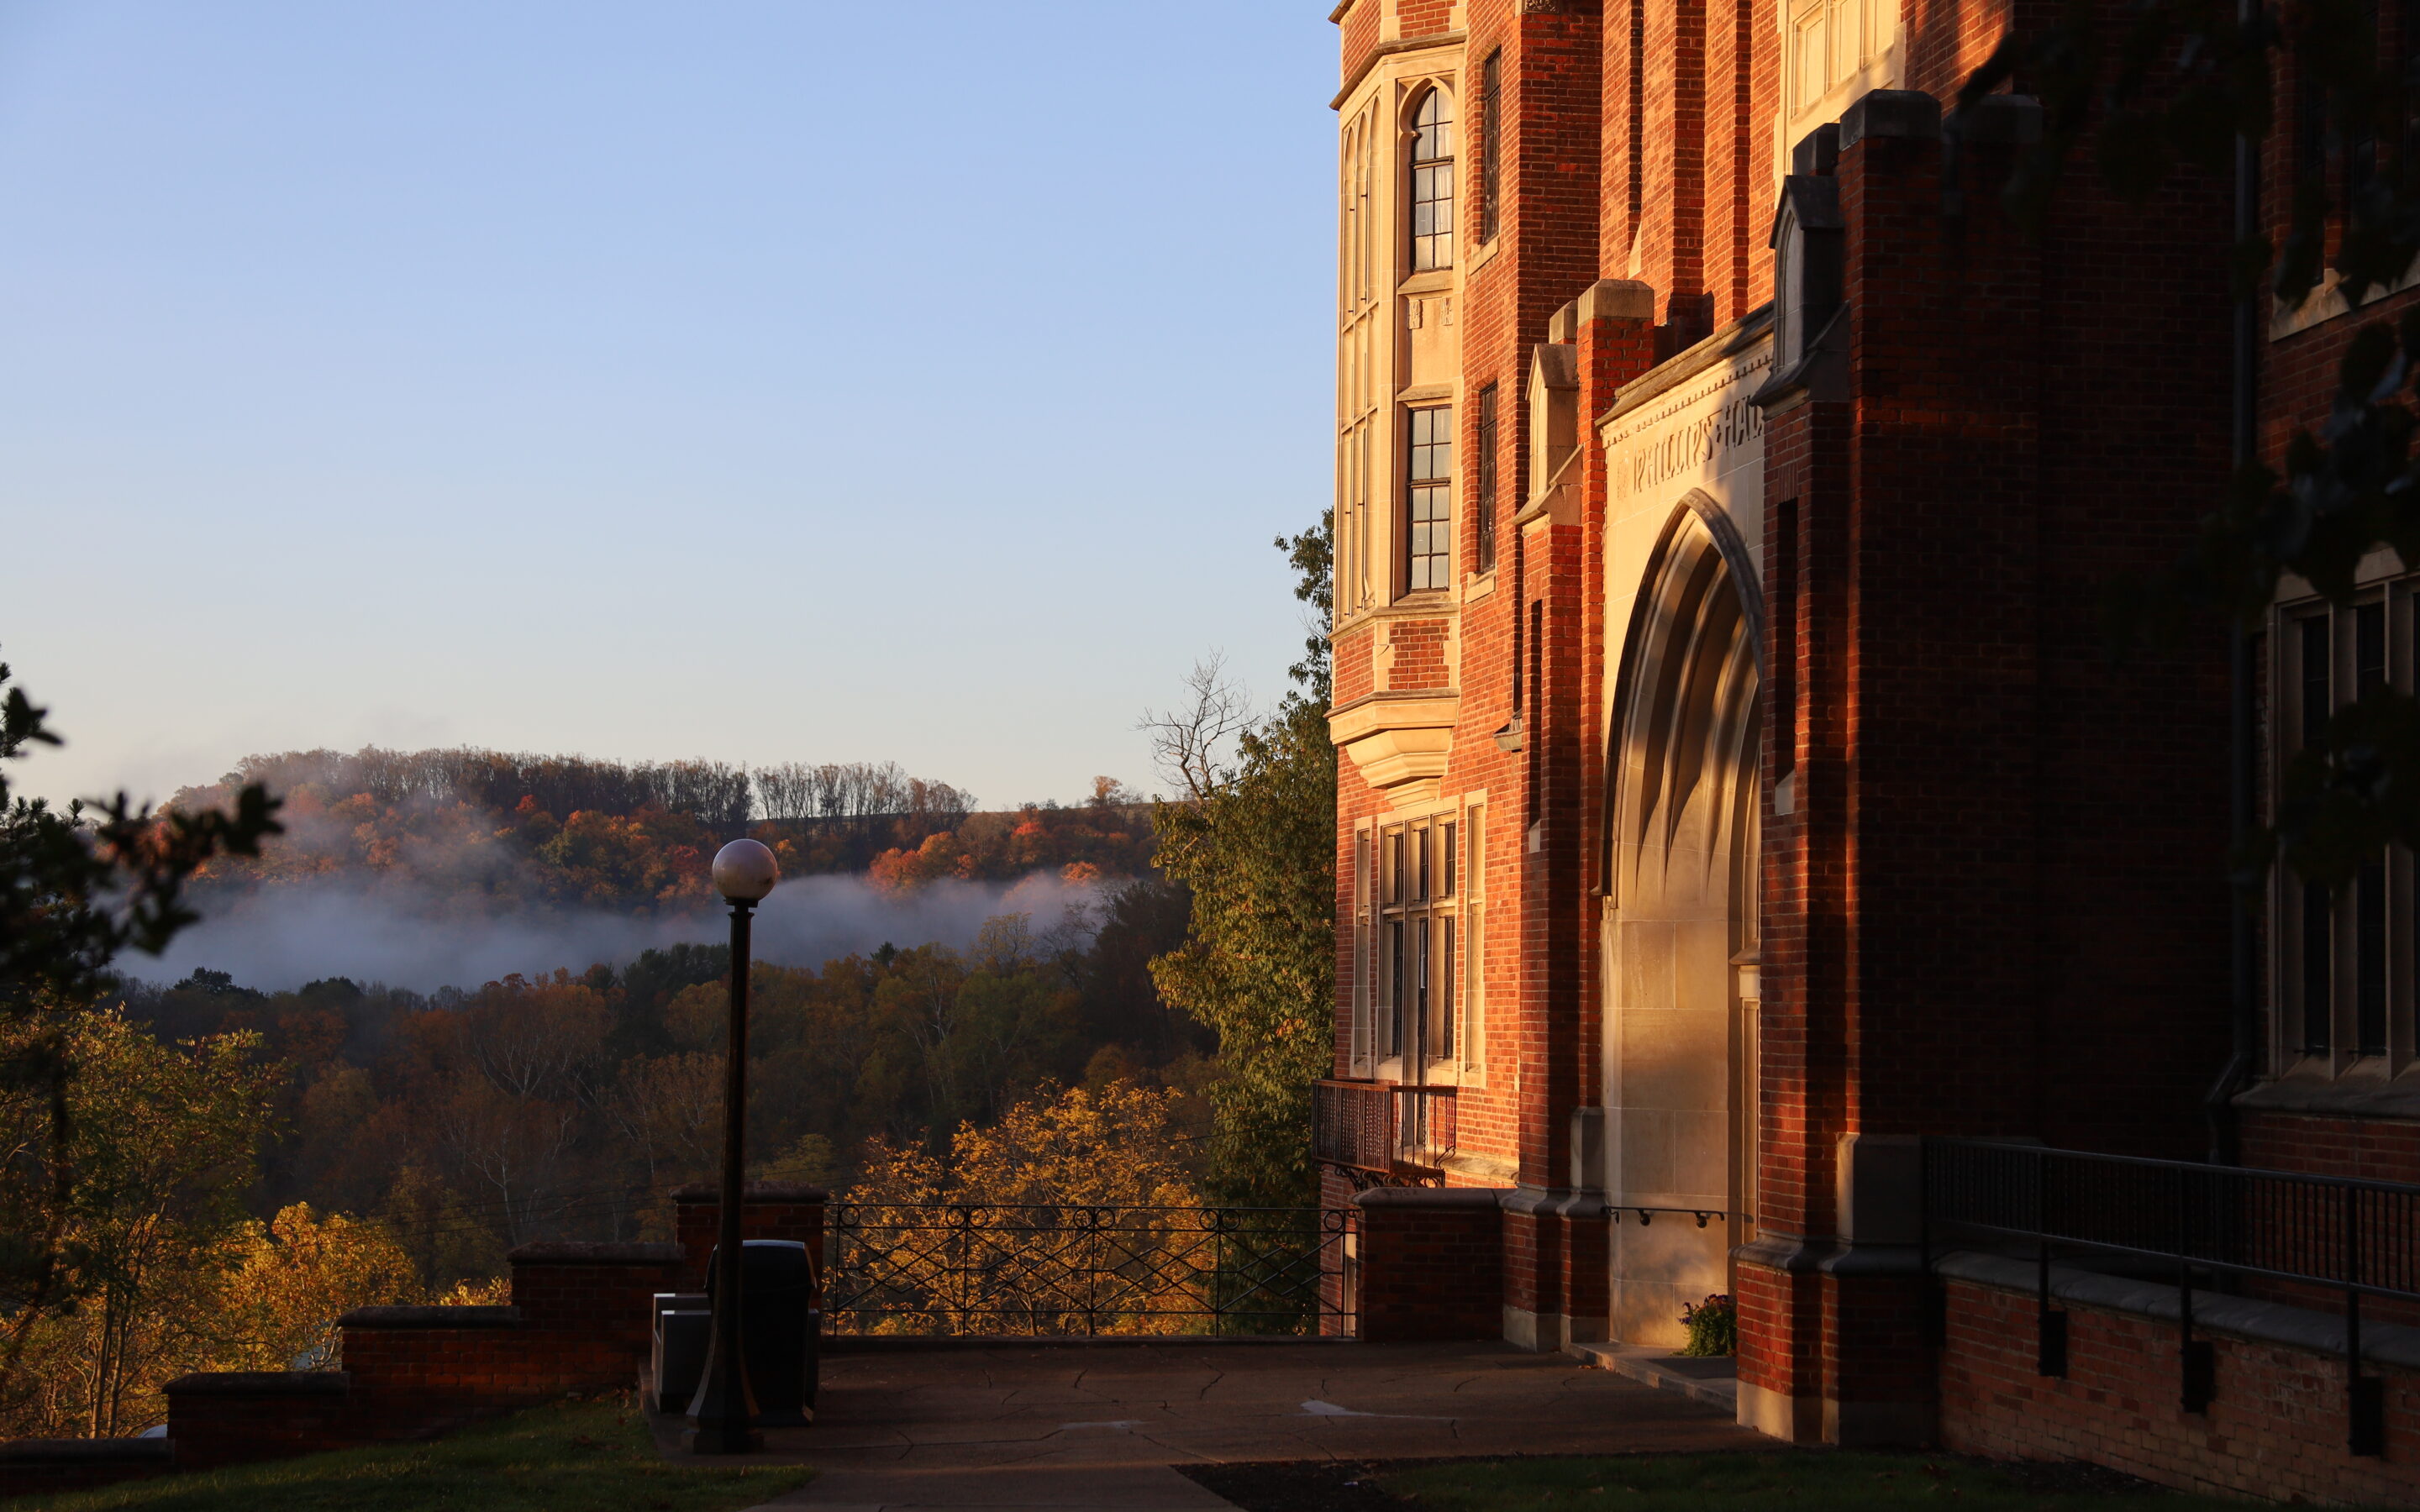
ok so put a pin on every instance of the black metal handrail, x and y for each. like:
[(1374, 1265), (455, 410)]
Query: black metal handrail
[(1051, 1269), (2353, 1237)]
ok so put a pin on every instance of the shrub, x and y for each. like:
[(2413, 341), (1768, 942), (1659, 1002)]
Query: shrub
[(1713, 1325)]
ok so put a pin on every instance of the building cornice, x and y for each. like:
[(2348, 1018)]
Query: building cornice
[(1739, 337), (1386, 50)]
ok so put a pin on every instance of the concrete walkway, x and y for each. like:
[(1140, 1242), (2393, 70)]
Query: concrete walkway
[(1098, 1427)]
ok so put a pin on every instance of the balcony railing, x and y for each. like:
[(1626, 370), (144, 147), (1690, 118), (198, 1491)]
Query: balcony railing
[(1383, 1129), (2355, 1239)]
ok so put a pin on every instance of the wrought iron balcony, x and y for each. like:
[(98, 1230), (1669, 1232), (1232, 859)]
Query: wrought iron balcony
[(1383, 1129)]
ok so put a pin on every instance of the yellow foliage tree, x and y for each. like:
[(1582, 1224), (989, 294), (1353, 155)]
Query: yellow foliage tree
[(295, 1275), (158, 1153), (1074, 1213)]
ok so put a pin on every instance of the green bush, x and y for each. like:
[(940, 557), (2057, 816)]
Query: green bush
[(1713, 1325)]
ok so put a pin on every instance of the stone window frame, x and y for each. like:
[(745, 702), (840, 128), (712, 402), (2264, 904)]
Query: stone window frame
[(2371, 923), (1433, 251), (1428, 436), (1487, 139), (1486, 459), (1881, 63)]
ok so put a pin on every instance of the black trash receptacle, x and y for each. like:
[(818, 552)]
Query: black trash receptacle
[(777, 1288)]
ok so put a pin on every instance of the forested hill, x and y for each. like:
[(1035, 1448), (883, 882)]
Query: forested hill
[(528, 830)]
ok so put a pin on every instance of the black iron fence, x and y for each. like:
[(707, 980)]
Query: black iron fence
[(2190, 1222), (964, 1268)]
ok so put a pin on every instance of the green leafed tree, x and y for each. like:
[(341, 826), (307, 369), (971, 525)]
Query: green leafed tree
[(77, 885), (1254, 838)]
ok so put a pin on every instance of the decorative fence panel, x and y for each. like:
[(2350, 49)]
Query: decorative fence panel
[(964, 1268)]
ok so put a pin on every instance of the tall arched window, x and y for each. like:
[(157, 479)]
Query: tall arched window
[(1432, 182)]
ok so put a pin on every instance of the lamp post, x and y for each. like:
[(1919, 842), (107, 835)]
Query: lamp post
[(744, 873)]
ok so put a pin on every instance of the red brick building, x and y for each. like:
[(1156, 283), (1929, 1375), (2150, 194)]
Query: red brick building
[(1735, 788)]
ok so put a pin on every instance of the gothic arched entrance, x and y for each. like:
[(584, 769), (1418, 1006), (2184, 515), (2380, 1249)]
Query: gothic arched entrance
[(1679, 935)]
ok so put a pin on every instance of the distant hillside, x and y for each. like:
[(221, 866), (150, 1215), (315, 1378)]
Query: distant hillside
[(493, 828)]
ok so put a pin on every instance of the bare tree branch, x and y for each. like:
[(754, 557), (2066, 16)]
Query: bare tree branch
[(1188, 741)]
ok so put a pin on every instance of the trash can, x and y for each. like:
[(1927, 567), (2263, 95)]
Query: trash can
[(683, 1328), (777, 1320)]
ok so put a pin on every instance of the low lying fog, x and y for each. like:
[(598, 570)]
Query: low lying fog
[(281, 937)]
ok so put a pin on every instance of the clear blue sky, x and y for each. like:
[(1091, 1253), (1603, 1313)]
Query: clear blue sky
[(753, 380)]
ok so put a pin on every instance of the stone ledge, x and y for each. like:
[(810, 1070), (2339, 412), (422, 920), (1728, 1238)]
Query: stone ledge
[(431, 1318), (1907, 115), (87, 1451), (830, 1343), (1430, 1197), (2261, 1322), (1654, 1367), (261, 1383), (2345, 1097), (576, 1253), (755, 1192)]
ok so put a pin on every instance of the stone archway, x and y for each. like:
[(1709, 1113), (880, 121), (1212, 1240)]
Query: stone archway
[(1679, 931)]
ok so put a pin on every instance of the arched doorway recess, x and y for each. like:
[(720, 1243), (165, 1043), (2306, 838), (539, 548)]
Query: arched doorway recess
[(1679, 933)]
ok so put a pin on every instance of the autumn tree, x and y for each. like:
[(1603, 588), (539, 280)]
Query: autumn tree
[(77, 887), (158, 1152), (1073, 1213), (293, 1277)]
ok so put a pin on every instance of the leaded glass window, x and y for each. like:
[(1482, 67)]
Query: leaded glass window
[(1482, 525), (1491, 144), (1429, 499), (1433, 183)]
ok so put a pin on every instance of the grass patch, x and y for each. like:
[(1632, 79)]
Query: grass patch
[(1777, 1481), (572, 1457)]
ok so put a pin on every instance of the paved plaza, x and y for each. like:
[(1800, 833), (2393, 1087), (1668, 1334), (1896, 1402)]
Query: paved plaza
[(1099, 1426)]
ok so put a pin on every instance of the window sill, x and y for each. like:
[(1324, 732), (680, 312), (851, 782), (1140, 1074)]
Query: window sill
[(1428, 281), (2326, 303), (2361, 1093)]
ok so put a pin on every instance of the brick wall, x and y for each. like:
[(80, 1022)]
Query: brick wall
[(2374, 1149), (233, 1417), (2275, 1428), (601, 1291), (1432, 1264), (47, 1467), (580, 1321), (1419, 653), (768, 1209)]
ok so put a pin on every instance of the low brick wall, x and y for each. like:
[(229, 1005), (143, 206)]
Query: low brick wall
[(1432, 1263), (767, 1210), (228, 1417), (602, 1291), (45, 1467), (420, 1370), (2275, 1428), (580, 1321)]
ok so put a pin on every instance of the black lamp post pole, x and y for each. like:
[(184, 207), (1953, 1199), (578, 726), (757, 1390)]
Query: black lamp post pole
[(724, 1406)]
